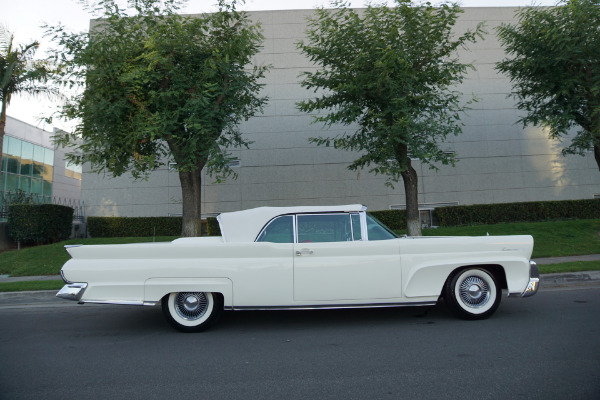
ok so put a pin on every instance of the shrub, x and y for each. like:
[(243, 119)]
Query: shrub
[(518, 212), (143, 226), (212, 227), (39, 223), (133, 226), (393, 219)]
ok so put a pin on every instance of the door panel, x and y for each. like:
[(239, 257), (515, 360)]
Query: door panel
[(352, 270)]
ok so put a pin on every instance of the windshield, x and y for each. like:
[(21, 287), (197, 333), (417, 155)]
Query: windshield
[(377, 230)]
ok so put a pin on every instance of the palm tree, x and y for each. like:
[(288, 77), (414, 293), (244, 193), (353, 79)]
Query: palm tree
[(19, 73)]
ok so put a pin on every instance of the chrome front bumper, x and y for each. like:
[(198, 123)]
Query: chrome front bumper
[(534, 280), (72, 291)]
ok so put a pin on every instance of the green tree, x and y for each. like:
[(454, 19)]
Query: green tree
[(554, 66), (19, 74), (160, 86), (389, 72)]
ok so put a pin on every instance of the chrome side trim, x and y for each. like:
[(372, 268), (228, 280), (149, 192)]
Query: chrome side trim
[(72, 291), (65, 280), (121, 302), (534, 280), (332, 306)]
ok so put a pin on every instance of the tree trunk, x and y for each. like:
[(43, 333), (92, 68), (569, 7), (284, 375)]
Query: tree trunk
[(411, 180), (191, 193), (411, 190)]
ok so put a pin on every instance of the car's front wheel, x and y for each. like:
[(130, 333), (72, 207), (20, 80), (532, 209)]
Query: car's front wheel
[(472, 293), (192, 311)]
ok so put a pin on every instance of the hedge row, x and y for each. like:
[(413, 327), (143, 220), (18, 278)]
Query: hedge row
[(133, 226), (143, 226), (536, 211), (212, 227), (39, 223), (394, 219)]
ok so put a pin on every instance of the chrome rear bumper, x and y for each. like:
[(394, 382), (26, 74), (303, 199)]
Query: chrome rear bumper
[(534, 280), (72, 291)]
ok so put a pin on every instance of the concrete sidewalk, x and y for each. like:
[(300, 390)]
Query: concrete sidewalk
[(558, 260)]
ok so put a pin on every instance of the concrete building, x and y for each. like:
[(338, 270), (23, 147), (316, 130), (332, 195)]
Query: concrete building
[(499, 160)]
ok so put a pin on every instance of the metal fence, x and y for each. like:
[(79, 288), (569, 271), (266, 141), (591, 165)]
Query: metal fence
[(8, 198)]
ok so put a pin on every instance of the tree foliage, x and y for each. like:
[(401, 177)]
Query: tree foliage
[(389, 72), (20, 73), (158, 86), (554, 66)]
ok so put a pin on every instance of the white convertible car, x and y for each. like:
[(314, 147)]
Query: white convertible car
[(302, 258)]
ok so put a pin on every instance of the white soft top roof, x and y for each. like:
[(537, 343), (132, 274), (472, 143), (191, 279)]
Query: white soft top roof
[(244, 226)]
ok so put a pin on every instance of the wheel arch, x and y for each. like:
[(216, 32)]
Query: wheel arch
[(430, 279), (156, 289), (495, 269)]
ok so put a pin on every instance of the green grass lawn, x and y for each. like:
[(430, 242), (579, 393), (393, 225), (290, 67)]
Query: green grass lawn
[(570, 267), (551, 239), (47, 260)]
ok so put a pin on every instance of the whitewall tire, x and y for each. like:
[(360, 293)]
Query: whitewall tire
[(192, 311), (472, 293)]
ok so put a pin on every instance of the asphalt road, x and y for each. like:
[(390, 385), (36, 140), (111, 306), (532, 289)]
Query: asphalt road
[(543, 347)]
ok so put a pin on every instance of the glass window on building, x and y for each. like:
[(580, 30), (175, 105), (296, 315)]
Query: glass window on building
[(13, 155), (25, 184), (38, 161), (27, 159), (27, 167), (47, 189), (4, 154)]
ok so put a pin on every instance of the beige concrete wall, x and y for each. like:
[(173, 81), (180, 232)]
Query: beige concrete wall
[(499, 161)]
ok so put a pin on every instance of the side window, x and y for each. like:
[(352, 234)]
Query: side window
[(279, 230), (324, 228), (356, 228), (377, 231)]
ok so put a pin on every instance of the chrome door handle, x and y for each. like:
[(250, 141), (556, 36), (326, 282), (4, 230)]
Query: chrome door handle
[(303, 251)]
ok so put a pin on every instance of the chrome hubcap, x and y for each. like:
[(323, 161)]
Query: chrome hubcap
[(191, 305), (474, 292)]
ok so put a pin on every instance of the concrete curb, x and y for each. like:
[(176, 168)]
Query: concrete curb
[(558, 260), (569, 279), (5, 278), (28, 297)]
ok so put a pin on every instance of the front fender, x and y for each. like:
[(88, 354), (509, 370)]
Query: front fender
[(428, 279)]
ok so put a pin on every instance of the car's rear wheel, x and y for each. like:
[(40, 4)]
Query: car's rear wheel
[(192, 311), (472, 293)]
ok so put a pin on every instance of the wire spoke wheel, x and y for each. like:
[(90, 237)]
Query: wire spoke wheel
[(192, 311), (191, 305), (472, 293)]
